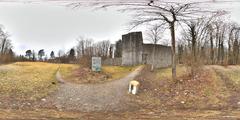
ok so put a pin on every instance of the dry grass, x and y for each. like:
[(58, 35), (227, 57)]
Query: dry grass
[(29, 80), (232, 72), (87, 76), (206, 90), (116, 72), (166, 73), (67, 69)]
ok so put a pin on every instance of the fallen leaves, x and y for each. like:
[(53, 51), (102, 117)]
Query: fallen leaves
[(87, 76)]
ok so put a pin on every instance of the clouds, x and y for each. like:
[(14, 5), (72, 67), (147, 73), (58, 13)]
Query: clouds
[(54, 27), (39, 26)]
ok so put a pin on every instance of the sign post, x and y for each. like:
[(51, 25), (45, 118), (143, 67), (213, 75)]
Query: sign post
[(96, 64)]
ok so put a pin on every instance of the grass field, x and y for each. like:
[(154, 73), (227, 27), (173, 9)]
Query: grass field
[(29, 80), (34, 80)]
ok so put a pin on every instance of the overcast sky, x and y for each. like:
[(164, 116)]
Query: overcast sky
[(54, 27)]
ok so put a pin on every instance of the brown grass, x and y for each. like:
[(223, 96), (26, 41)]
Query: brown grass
[(29, 80), (205, 91), (87, 76)]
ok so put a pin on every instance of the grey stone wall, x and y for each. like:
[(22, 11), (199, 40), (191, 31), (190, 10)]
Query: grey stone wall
[(134, 52), (162, 56), (112, 61), (132, 46)]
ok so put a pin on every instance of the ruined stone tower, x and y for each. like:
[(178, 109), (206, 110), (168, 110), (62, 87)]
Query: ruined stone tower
[(132, 48), (135, 52)]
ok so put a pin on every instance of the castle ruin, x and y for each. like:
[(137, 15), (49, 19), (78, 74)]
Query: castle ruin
[(135, 52)]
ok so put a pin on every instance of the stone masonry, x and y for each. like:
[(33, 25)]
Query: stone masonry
[(135, 52)]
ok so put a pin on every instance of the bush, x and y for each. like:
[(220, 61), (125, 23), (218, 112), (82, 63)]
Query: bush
[(85, 61), (194, 66), (6, 59)]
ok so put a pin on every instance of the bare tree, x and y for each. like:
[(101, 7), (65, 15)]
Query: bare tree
[(5, 42), (166, 14), (6, 53), (236, 46), (210, 33), (154, 35), (156, 11), (196, 35), (84, 46), (118, 51), (233, 42), (101, 48)]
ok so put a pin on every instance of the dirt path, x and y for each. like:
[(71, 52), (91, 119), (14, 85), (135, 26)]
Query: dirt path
[(234, 99), (98, 97)]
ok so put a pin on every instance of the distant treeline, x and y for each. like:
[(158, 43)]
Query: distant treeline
[(6, 53), (210, 41), (81, 53)]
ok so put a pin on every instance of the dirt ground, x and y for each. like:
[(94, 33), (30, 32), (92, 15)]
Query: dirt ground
[(210, 95), (109, 96), (86, 76), (141, 114), (208, 90)]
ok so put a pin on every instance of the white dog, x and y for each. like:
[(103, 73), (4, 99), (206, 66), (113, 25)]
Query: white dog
[(133, 87)]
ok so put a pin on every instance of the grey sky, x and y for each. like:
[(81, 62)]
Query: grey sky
[(54, 27)]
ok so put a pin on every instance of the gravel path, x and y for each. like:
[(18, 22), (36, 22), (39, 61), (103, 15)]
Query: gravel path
[(109, 96)]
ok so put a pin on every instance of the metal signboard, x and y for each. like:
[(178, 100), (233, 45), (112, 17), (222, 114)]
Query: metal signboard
[(96, 64)]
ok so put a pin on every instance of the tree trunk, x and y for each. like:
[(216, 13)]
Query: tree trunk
[(153, 57), (212, 50), (173, 48), (219, 51), (229, 52), (193, 57), (235, 52), (222, 53), (3, 46), (180, 53)]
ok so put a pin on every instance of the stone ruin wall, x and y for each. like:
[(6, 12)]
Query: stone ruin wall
[(134, 52), (132, 46), (162, 56)]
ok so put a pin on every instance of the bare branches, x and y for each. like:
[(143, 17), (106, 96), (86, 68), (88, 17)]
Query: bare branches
[(155, 33), (6, 53), (158, 11), (87, 47)]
